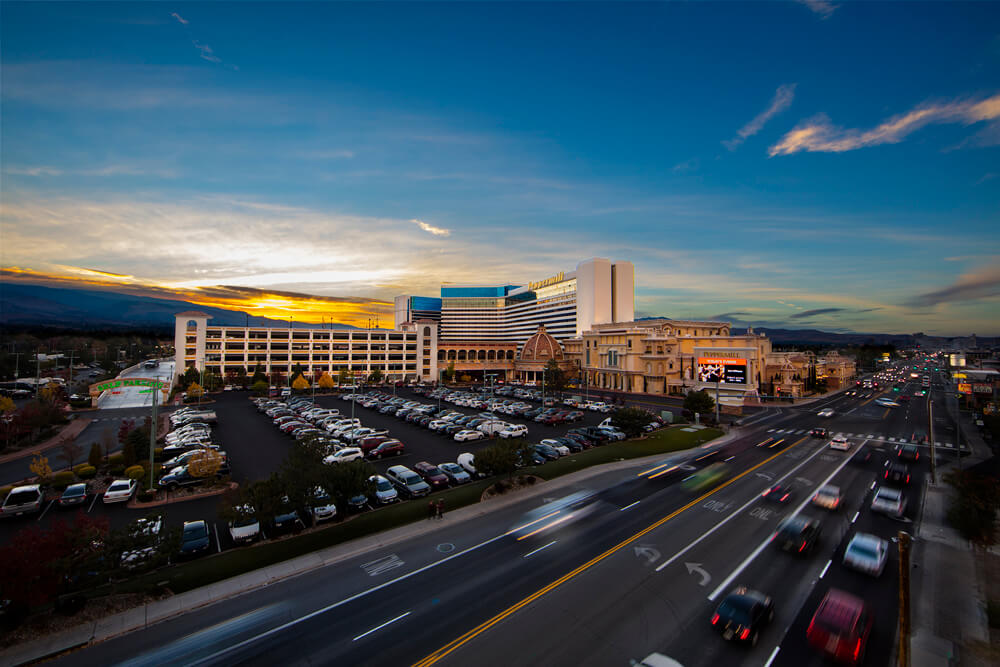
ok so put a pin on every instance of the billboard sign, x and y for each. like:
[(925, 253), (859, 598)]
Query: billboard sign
[(722, 369), (130, 382), (964, 388), (982, 388)]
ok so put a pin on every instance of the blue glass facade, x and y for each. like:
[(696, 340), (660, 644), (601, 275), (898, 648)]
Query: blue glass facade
[(485, 291), (425, 303)]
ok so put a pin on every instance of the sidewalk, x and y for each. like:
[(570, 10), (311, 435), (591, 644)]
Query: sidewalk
[(154, 612)]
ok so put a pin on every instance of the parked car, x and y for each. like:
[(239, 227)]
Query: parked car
[(742, 615), (456, 474), (467, 434), (246, 527), (322, 507), (798, 534), (287, 519), (866, 553), (344, 455), (547, 452), (468, 463), (387, 448), (841, 626), (195, 539), (408, 482), (385, 492), (432, 475), (75, 494), (120, 491), (22, 500), (827, 497)]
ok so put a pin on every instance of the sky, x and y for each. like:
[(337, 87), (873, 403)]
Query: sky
[(814, 164)]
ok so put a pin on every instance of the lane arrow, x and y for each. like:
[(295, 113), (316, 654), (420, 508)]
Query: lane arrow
[(650, 553), (766, 476), (696, 567)]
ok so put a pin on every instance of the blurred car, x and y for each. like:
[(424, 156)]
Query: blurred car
[(743, 614), (818, 432), (841, 626), (827, 497), (862, 457), (825, 413), (706, 477), (798, 534), (896, 473), (195, 539), (120, 491), (777, 494), (456, 474), (385, 492), (840, 442), (889, 501), (75, 494), (431, 474), (866, 553), (908, 453)]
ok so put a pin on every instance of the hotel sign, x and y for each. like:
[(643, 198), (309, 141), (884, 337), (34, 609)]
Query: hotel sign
[(558, 278), (722, 368)]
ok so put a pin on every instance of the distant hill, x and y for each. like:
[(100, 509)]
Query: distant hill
[(35, 305), (816, 337)]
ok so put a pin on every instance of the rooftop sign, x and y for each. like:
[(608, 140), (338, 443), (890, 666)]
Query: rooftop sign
[(558, 278)]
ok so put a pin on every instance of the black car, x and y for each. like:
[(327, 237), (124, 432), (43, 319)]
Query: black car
[(547, 451), (897, 473), (75, 494), (908, 453), (573, 445), (819, 433), (798, 534), (743, 614), (582, 439), (287, 521), (777, 494), (862, 457), (195, 539)]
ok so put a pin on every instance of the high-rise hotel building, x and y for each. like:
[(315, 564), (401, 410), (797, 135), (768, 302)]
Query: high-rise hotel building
[(599, 291)]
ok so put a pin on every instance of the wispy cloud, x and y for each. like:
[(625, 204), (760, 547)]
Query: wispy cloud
[(989, 176), (686, 166), (431, 229), (206, 52), (824, 8), (782, 99), (107, 170), (32, 171), (179, 18), (813, 313), (818, 134), (978, 284), (335, 154)]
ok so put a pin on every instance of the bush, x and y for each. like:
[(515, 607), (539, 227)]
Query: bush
[(116, 460), (134, 472), (63, 479), (158, 453), (4, 490), (95, 456), (86, 472), (78, 467)]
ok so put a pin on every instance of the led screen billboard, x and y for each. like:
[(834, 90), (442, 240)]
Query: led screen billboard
[(728, 371)]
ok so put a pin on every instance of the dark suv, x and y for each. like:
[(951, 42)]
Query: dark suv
[(432, 475), (798, 534)]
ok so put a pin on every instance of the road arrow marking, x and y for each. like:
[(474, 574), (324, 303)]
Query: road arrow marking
[(650, 553), (696, 567), (765, 475), (804, 481)]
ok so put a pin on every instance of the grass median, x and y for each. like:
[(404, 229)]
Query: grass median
[(187, 576)]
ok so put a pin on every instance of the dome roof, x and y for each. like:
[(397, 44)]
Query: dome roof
[(541, 347)]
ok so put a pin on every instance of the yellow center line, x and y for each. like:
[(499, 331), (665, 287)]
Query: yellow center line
[(475, 632), (886, 413)]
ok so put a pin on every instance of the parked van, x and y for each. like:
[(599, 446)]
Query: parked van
[(491, 428)]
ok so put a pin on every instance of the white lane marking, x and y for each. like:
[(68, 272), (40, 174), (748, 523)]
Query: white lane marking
[(45, 511), (539, 549), (218, 544), (763, 545), (729, 459), (855, 518), (825, 568), (380, 565), (628, 506), (733, 515), (356, 596), (92, 502), (375, 629), (774, 654)]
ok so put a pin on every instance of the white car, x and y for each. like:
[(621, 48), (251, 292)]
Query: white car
[(344, 455), (246, 528), (866, 553), (828, 497), (120, 491), (825, 413), (556, 445), (385, 492), (322, 507), (840, 442), (889, 501), (514, 431), (491, 427), (468, 463), (467, 434)]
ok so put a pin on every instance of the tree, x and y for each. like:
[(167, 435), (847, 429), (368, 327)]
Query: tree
[(191, 375), (347, 480), (302, 471), (631, 421), (206, 463), (96, 457), (973, 510), (300, 383), (376, 376), (258, 375), (343, 376), (265, 497), (699, 401), (70, 450), (325, 381), (555, 377), (212, 380), (499, 459), (449, 373), (260, 388), (241, 378), (128, 452), (194, 390), (40, 467), (147, 548), (6, 405)]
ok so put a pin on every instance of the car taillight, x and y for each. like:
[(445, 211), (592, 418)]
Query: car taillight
[(715, 619), (887, 474), (857, 649), (803, 547), (784, 497), (907, 479), (745, 633)]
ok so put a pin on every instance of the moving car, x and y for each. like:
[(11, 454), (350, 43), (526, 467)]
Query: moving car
[(828, 497), (120, 491), (840, 442), (827, 412), (889, 501), (743, 614), (22, 500), (818, 433), (707, 477), (897, 473), (866, 553), (75, 494), (195, 539), (841, 626), (777, 494), (798, 534), (908, 453)]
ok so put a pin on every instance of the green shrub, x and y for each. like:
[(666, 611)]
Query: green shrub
[(4, 490), (95, 457), (116, 460), (134, 472), (158, 453), (63, 479), (86, 472), (78, 467)]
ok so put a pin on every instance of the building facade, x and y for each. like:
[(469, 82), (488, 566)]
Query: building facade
[(406, 353), (598, 291)]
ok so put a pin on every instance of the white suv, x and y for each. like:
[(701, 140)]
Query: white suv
[(840, 442), (344, 455), (514, 431)]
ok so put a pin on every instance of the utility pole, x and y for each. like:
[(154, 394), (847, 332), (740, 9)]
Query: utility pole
[(930, 435), (71, 354), (903, 540), (152, 437), (717, 401), (38, 372)]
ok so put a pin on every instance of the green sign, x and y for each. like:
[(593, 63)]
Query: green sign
[(130, 382)]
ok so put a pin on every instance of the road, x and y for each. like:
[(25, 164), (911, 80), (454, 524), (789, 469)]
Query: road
[(641, 573)]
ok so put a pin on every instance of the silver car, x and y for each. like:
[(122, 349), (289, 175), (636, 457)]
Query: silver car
[(866, 553), (385, 492)]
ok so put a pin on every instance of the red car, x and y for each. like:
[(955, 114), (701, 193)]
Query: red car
[(371, 442), (432, 475), (386, 448), (840, 627)]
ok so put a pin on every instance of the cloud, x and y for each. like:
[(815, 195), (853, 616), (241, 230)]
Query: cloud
[(686, 166), (812, 313), (108, 170), (819, 135), (782, 99), (33, 171), (180, 18), (737, 315), (978, 284), (336, 154), (989, 176), (207, 53), (431, 229), (824, 8)]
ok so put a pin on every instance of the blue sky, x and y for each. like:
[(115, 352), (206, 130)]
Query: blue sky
[(800, 164)]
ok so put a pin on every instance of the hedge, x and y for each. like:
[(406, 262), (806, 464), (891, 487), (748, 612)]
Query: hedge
[(135, 472), (62, 479), (86, 472)]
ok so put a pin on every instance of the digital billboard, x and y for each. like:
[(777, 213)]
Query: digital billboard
[(725, 370)]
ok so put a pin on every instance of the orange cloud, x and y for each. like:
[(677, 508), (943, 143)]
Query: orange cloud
[(275, 304)]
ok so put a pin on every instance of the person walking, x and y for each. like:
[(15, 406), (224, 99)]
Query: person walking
[(431, 510), (440, 508)]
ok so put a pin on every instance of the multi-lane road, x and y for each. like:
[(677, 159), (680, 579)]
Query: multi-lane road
[(639, 572)]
